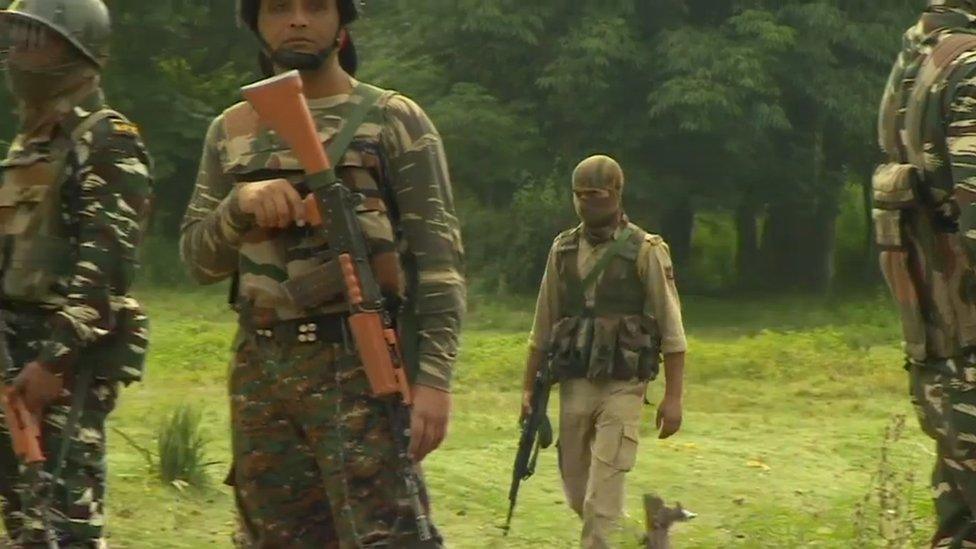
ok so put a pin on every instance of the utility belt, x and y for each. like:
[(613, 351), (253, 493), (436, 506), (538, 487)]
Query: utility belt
[(319, 329)]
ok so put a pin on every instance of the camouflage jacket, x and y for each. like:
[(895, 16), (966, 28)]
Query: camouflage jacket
[(923, 196), (99, 211), (396, 161)]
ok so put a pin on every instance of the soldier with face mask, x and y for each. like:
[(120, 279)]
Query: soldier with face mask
[(607, 310), (315, 459), (74, 190), (925, 224)]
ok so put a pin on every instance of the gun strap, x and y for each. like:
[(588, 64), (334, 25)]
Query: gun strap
[(604, 261), (369, 96)]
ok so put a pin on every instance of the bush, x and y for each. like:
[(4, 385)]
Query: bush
[(180, 448)]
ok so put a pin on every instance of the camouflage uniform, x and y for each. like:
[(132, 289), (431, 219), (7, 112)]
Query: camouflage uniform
[(313, 451), (924, 222), (75, 188), (605, 340)]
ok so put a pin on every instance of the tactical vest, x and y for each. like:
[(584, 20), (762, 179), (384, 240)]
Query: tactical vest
[(251, 152), (613, 338), (915, 220), (37, 250)]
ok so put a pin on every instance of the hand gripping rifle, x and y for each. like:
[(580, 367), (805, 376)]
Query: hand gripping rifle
[(331, 206), (25, 430), (536, 434)]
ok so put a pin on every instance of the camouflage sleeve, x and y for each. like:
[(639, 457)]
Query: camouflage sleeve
[(213, 222), (546, 307), (430, 236), (111, 203), (960, 111), (655, 269)]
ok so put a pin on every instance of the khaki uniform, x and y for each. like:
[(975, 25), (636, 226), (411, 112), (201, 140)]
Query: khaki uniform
[(599, 418)]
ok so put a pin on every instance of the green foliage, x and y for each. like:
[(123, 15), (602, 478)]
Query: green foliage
[(181, 448), (712, 103)]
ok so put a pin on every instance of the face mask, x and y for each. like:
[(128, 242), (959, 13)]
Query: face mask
[(36, 87), (597, 212)]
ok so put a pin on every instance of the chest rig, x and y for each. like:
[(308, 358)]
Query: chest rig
[(611, 337), (38, 247), (271, 260)]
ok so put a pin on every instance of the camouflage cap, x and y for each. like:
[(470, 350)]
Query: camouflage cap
[(598, 172), (85, 24)]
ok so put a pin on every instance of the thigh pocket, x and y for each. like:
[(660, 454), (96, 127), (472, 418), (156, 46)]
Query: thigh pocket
[(618, 446)]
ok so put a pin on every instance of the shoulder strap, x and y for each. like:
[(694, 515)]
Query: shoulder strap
[(92, 120), (370, 96), (935, 66), (615, 249)]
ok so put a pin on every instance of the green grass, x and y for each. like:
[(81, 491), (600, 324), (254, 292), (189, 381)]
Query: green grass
[(786, 405)]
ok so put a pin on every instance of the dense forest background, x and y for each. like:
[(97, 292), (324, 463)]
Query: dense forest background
[(746, 127)]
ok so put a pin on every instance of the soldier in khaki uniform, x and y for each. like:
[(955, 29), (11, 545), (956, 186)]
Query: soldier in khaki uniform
[(607, 309)]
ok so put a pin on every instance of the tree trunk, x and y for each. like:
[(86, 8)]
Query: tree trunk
[(677, 225), (747, 244)]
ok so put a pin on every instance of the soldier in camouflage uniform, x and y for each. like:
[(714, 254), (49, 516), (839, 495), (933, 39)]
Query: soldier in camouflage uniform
[(607, 309), (925, 226), (75, 187), (315, 462)]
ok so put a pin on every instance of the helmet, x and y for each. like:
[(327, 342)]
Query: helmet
[(599, 172), (247, 12), (85, 24)]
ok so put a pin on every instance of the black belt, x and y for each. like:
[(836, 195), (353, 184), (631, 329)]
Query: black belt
[(314, 329)]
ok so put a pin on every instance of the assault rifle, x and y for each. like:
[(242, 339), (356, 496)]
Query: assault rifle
[(331, 208), (25, 430), (536, 435)]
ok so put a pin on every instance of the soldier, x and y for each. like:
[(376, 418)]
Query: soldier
[(925, 222), (313, 452), (607, 309), (75, 187)]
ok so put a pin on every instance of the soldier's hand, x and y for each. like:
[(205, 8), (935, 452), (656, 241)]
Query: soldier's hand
[(274, 203), (668, 419), (428, 422), (38, 386)]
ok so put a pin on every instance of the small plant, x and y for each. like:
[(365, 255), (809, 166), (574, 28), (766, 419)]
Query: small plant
[(180, 456), (884, 517)]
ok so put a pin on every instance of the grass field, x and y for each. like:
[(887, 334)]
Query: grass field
[(786, 404)]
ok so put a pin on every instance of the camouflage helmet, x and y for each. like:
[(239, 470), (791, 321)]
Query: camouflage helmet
[(598, 172), (247, 12), (85, 24)]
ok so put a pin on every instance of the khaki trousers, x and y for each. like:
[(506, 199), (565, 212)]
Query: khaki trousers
[(598, 434)]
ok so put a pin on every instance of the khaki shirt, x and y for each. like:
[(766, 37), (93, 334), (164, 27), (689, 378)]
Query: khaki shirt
[(654, 269)]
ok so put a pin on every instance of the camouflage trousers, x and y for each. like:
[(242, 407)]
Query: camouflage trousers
[(72, 505), (598, 434), (944, 397), (315, 462)]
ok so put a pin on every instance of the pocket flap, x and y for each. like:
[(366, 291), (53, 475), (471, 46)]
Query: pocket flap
[(893, 186)]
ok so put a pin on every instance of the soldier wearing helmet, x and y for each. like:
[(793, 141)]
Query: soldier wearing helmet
[(607, 310), (74, 188), (313, 452), (924, 213)]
